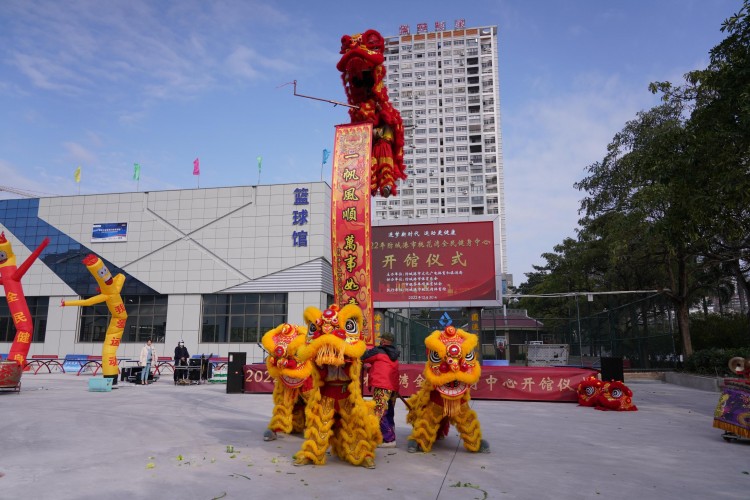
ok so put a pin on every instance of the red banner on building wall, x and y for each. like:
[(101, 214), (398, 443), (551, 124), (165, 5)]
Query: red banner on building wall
[(526, 383), (434, 262), (350, 220)]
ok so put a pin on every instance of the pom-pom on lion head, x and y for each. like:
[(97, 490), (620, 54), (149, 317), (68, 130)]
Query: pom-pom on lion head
[(451, 362), (282, 344), (333, 335)]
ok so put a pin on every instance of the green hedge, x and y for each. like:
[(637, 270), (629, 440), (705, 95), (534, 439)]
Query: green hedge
[(714, 362)]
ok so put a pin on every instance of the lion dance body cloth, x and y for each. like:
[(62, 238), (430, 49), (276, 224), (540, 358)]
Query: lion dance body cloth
[(444, 397), (292, 379), (336, 413), (363, 72)]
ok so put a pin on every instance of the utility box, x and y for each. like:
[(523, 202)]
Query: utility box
[(547, 354)]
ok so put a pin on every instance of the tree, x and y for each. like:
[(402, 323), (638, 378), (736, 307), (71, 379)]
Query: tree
[(644, 190)]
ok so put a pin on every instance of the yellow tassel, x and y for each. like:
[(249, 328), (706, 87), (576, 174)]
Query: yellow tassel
[(451, 407)]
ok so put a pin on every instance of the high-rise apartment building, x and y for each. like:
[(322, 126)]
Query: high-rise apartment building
[(445, 84)]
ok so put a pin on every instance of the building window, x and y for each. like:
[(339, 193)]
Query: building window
[(38, 307), (147, 319), (242, 317)]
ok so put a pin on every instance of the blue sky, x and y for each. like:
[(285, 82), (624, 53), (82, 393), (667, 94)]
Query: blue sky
[(107, 84)]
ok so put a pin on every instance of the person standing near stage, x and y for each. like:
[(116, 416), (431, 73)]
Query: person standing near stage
[(147, 360), (181, 357), (383, 379)]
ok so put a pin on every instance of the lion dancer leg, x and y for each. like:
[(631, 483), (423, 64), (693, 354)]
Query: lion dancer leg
[(383, 179), (358, 434), (384, 402), (320, 417), (425, 429), (469, 429), (282, 414)]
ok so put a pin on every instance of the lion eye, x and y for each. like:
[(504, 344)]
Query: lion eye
[(617, 393), (470, 356), (351, 326), (435, 357)]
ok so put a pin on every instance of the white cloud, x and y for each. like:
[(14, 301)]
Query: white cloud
[(547, 146), (79, 154)]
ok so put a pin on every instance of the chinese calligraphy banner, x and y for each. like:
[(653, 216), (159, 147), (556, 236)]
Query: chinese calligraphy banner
[(350, 220), (522, 383), (438, 262)]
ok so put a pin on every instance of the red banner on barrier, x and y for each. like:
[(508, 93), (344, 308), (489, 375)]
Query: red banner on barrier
[(350, 220), (529, 383), (434, 262)]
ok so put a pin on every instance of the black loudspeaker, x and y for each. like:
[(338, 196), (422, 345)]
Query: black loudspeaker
[(612, 369), (236, 372)]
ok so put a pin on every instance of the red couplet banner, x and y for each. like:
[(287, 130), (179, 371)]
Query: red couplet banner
[(525, 383), (434, 262), (350, 220)]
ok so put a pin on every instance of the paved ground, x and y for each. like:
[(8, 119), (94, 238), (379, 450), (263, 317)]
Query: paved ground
[(59, 441)]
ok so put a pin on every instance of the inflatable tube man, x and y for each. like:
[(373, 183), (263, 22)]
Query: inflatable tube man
[(444, 397), (109, 288), (363, 72), (336, 414), (292, 379), (10, 279)]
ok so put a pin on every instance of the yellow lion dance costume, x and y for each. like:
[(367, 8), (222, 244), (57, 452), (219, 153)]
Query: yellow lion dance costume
[(444, 396), (336, 414), (292, 379)]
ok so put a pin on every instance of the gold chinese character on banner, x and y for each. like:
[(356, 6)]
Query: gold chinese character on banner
[(349, 214), (350, 243), (350, 175), (351, 284), (350, 195)]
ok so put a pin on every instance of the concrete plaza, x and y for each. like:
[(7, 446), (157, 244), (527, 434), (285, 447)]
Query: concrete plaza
[(60, 441)]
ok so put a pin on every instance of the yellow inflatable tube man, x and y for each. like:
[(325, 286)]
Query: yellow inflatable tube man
[(109, 288)]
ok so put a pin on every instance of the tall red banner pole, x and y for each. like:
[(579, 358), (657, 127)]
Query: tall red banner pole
[(351, 236)]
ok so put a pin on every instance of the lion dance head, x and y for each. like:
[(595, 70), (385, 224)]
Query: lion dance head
[(588, 391), (282, 344), (363, 74), (616, 396), (333, 335), (451, 366)]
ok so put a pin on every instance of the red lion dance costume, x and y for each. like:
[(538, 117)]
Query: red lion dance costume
[(444, 397), (362, 72)]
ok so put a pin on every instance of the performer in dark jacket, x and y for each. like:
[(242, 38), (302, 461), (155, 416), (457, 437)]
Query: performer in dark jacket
[(383, 379), (181, 357)]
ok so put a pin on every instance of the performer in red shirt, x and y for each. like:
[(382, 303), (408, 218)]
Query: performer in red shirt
[(383, 379)]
